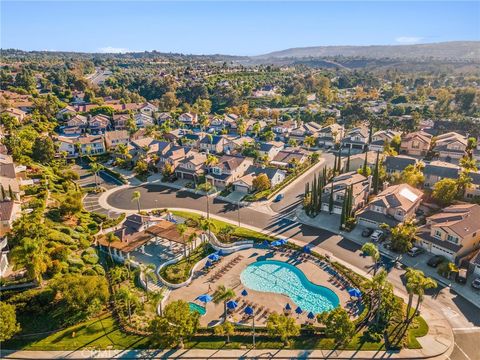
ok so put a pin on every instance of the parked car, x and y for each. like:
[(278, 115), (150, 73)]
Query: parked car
[(387, 245), (461, 276), (367, 232), (279, 197), (435, 260), (414, 251), (377, 236), (476, 283)]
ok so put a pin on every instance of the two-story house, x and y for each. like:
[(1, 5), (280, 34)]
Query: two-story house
[(302, 131), (142, 120), (10, 210), (85, 145), (356, 138), (270, 149), (380, 138), (416, 143), (188, 118), (244, 184), (290, 157), (396, 164), (454, 232), (172, 155), (392, 206), (213, 144), (16, 113), (191, 167), (98, 124), (115, 138), (66, 113), (472, 191), (330, 135), (450, 146), (120, 121), (360, 186), (228, 169), (236, 143), (148, 109), (438, 170)]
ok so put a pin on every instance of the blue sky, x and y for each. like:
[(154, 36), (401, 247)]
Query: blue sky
[(237, 28)]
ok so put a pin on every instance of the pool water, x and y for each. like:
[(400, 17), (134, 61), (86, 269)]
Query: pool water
[(198, 308), (283, 278)]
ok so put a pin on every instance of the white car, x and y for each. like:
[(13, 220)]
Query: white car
[(377, 235)]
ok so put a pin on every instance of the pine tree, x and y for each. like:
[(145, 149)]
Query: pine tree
[(330, 201), (10, 191), (365, 165), (314, 194), (347, 166), (376, 180), (3, 192), (335, 165), (319, 194)]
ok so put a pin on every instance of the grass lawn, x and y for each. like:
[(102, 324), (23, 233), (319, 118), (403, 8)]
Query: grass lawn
[(98, 333), (179, 272), (240, 232), (418, 329)]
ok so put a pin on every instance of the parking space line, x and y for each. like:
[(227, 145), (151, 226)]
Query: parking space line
[(463, 352)]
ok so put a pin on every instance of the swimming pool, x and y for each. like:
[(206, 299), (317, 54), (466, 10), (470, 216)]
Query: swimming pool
[(283, 278), (198, 308)]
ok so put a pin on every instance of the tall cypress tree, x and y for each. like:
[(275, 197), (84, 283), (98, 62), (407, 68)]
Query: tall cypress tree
[(335, 164), (3, 192), (343, 215), (376, 175), (365, 165), (347, 166), (340, 162), (314, 194), (319, 194), (330, 200)]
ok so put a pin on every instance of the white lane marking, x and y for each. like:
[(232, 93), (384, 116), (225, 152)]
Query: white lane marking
[(467, 329), (463, 352)]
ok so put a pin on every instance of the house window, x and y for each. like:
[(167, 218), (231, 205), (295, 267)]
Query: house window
[(438, 234), (452, 239)]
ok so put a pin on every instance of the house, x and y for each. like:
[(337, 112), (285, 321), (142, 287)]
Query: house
[(380, 138), (16, 113), (142, 120), (164, 117), (392, 206), (284, 128), (3, 255), (66, 113), (396, 164), (148, 109), (213, 144), (9, 211), (358, 160), (290, 157), (147, 146), (79, 121), (115, 138), (228, 169), (172, 155), (330, 135), (98, 124), (301, 132), (450, 146), (270, 149), (337, 186), (454, 232), (416, 143), (192, 139), (86, 144), (188, 118), (191, 167), (356, 138), (236, 143), (11, 186), (245, 183), (438, 170), (120, 121), (472, 192), (474, 264)]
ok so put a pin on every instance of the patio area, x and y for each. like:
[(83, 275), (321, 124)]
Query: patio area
[(227, 272)]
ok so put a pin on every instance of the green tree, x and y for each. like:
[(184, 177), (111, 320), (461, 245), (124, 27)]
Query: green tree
[(223, 294), (261, 182), (282, 326), (111, 238), (8, 321), (127, 300), (417, 283), (413, 175), (445, 191), (94, 169), (43, 150), (176, 325), (403, 236), (338, 325), (136, 195), (309, 141), (226, 329), (371, 250)]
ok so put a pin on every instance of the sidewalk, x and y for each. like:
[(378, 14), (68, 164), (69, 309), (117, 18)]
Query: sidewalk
[(332, 222)]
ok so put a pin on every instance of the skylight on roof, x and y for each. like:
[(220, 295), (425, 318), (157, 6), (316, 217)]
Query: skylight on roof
[(406, 193)]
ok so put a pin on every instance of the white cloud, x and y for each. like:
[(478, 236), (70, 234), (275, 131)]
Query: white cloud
[(114, 50), (408, 39)]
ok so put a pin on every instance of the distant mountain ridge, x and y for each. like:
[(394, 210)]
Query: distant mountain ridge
[(454, 50)]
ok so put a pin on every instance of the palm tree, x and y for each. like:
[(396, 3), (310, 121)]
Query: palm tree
[(146, 270), (111, 238), (207, 225), (127, 297), (94, 169), (182, 228), (136, 197), (420, 283), (223, 294), (157, 297), (191, 239), (372, 250)]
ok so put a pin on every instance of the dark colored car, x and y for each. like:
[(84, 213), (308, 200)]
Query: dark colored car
[(476, 283), (436, 260), (279, 197), (367, 232)]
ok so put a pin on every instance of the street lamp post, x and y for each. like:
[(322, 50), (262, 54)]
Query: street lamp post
[(238, 210)]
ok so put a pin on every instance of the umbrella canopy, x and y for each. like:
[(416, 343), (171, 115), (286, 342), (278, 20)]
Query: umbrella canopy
[(283, 241), (244, 292), (204, 298), (220, 252), (306, 249), (214, 257), (355, 292), (276, 243), (265, 243), (248, 310), (288, 307), (311, 315), (231, 304), (208, 264), (298, 310)]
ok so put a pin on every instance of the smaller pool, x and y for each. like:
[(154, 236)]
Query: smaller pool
[(198, 308)]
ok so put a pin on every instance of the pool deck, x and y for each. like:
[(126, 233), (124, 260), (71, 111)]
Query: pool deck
[(262, 301)]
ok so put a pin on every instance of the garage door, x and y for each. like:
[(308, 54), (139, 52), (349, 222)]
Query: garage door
[(241, 188), (367, 223)]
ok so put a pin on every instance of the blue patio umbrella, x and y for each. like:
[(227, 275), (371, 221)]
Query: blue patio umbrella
[(214, 257), (298, 310), (265, 243), (311, 315), (288, 307), (208, 264), (231, 305), (276, 243), (248, 310), (204, 298), (220, 253), (244, 292), (307, 249), (354, 292), (283, 241)]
